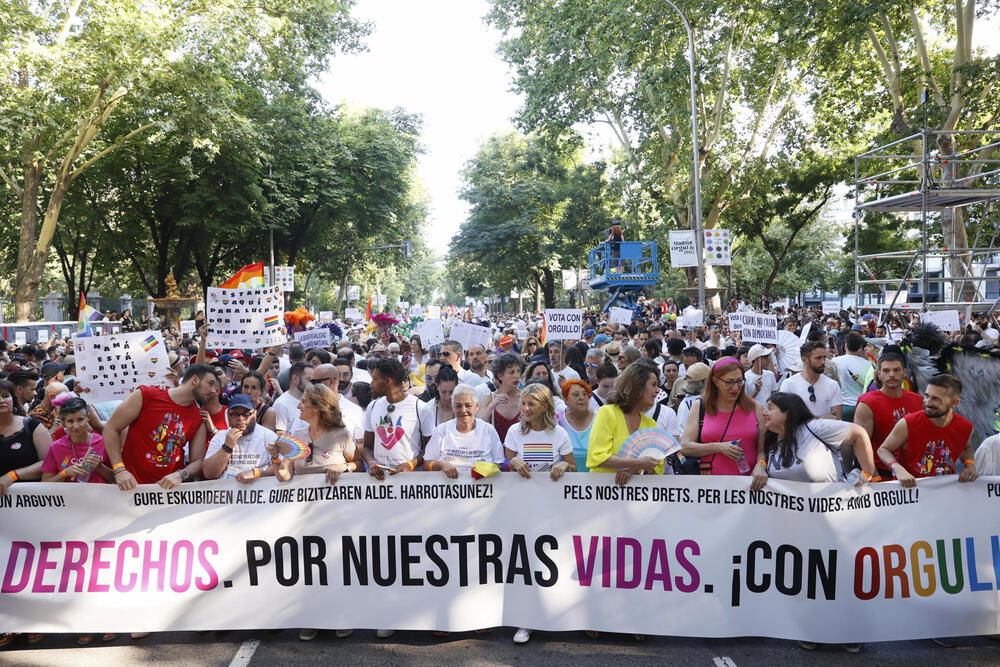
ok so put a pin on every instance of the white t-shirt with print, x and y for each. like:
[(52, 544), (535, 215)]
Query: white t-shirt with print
[(464, 449), (852, 370), (566, 373), (539, 448), (250, 450), (813, 460), (398, 429)]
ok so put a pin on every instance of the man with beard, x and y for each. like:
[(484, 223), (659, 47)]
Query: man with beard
[(160, 422), (346, 370), (931, 441), (879, 410), (821, 394), (242, 446), (286, 408), (476, 356), (431, 370)]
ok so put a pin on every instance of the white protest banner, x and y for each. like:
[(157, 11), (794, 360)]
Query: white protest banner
[(245, 318), (187, 326), (431, 332), (21, 337), (898, 295), (690, 318), (759, 328), (65, 332), (403, 305), (780, 304), (814, 562), (735, 324), (434, 312), (683, 250), (416, 311), (353, 292), (352, 313), (284, 277), (569, 279), (469, 334), (326, 316), (479, 311), (946, 320), (717, 247), (43, 335), (110, 367), (312, 338), (621, 315), (563, 324), (831, 307)]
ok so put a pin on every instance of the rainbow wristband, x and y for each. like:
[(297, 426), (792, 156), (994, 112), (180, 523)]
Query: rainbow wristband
[(505, 466)]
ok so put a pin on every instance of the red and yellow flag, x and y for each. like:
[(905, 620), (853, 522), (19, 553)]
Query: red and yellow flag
[(251, 275), (368, 310)]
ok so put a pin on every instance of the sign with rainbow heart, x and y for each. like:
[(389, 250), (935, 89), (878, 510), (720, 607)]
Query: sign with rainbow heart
[(717, 248), (109, 368), (248, 318)]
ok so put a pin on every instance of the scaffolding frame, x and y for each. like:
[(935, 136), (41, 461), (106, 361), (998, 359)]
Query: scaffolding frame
[(950, 180)]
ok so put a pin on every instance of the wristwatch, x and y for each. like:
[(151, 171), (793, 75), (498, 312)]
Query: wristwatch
[(227, 449), (185, 475)]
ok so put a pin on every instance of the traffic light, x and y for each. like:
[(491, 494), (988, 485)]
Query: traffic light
[(407, 249)]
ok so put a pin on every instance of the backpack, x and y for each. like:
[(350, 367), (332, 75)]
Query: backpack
[(687, 465)]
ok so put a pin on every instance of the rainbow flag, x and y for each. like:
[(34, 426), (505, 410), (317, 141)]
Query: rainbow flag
[(251, 275), (541, 338), (368, 310), (149, 343), (86, 315), (271, 321), (537, 454)]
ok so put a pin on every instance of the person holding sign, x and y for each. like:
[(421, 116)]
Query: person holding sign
[(159, 423), (725, 427)]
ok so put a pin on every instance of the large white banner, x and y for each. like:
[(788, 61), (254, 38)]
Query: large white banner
[(110, 367), (245, 318), (668, 555)]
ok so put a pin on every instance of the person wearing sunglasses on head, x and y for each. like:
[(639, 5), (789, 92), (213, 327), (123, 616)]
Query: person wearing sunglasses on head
[(821, 394)]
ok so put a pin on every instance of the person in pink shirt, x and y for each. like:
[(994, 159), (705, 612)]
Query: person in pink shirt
[(79, 455)]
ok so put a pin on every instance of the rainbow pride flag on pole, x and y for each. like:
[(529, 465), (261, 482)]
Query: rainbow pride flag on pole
[(368, 310), (86, 314), (251, 275)]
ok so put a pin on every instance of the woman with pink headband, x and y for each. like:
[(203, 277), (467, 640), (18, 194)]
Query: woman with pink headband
[(725, 427)]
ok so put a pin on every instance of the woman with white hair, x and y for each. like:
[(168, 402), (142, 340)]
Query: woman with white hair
[(463, 441)]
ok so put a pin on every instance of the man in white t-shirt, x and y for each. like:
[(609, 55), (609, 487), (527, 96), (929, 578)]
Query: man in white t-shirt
[(241, 447), (476, 356), (820, 393), (397, 425), (560, 371), (353, 415), (451, 354), (286, 407), (852, 369), (760, 379)]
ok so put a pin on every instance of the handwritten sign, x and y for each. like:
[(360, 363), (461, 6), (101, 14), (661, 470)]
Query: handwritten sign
[(691, 318), (326, 316), (434, 312), (563, 324), (469, 334), (245, 318), (312, 338), (417, 311), (735, 323), (759, 328), (621, 315), (111, 367), (431, 332), (187, 326)]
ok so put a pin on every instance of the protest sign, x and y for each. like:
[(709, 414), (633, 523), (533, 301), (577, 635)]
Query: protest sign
[(284, 277), (187, 326), (815, 562), (416, 311), (779, 304), (110, 367), (759, 328), (683, 250), (563, 324), (431, 332), (735, 324), (43, 335), (621, 315), (352, 313), (717, 249), (690, 318), (831, 307), (326, 316), (403, 305), (353, 292), (521, 330), (245, 318), (469, 334), (434, 312), (479, 311), (21, 337), (804, 336), (65, 332), (946, 320), (311, 338)]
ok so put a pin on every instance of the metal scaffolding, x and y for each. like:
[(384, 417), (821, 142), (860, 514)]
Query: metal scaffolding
[(953, 169)]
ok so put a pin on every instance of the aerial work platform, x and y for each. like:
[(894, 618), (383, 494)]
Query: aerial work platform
[(623, 269)]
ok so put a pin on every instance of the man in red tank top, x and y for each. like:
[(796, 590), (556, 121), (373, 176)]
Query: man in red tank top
[(159, 423), (879, 410), (931, 441)]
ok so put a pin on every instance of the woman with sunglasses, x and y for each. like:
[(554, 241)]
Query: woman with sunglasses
[(530, 346), (725, 427)]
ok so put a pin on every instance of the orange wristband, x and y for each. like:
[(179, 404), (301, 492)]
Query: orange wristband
[(13, 475), (968, 462), (430, 465), (256, 473), (412, 465), (62, 473), (762, 461)]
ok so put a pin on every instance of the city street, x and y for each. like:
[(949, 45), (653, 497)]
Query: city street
[(241, 648)]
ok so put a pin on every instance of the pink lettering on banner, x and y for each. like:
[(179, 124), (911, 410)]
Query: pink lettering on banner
[(213, 578), (121, 585), (73, 563), (632, 562), (181, 585), (44, 564), (97, 564), (16, 548), (148, 565)]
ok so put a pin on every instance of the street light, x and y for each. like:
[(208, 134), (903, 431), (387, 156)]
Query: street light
[(699, 237)]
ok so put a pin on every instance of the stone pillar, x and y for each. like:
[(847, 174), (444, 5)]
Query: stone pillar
[(94, 301), (149, 306), (53, 309), (125, 303)]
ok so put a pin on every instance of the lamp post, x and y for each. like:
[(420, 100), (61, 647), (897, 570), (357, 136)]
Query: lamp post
[(699, 237)]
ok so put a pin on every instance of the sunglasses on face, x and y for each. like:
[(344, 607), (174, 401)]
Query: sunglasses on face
[(445, 354), (320, 380)]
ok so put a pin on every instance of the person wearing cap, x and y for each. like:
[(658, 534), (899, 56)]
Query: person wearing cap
[(506, 344), (240, 447), (53, 371), (588, 336), (687, 390), (761, 382)]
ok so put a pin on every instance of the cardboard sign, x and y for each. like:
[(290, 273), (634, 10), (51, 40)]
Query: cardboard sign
[(691, 318), (417, 311), (353, 313), (245, 318), (326, 316), (434, 312), (43, 335), (187, 326), (563, 324), (111, 367), (621, 315), (431, 332), (735, 323), (759, 328), (717, 249), (312, 338), (683, 250), (831, 307), (946, 320), (469, 334)]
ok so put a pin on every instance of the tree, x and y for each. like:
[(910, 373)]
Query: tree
[(69, 70)]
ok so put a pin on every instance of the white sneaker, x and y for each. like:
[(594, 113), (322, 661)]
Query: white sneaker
[(522, 636), (308, 634), (344, 633), (384, 634)]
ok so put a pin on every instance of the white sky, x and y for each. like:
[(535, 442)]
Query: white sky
[(438, 58)]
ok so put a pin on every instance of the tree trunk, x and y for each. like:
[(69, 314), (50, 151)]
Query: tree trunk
[(342, 296), (953, 232), (24, 308)]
